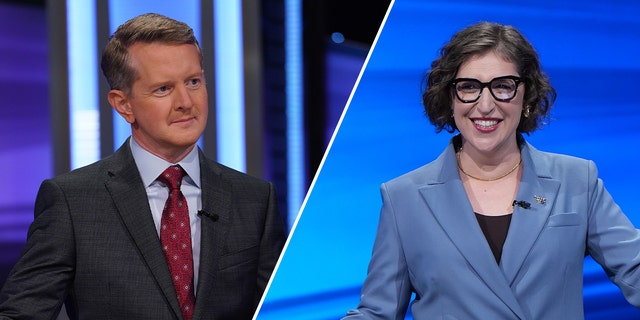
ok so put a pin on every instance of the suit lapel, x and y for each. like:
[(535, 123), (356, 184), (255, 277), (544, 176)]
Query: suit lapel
[(445, 196), (130, 198), (216, 201), (527, 224)]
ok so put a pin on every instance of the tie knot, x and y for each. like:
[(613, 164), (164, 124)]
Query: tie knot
[(172, 177)]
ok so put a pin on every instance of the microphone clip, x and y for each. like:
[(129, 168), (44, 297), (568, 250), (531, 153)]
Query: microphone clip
[(522, 204), (213, 216)]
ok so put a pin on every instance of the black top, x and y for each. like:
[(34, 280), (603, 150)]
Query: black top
[(495, 229)]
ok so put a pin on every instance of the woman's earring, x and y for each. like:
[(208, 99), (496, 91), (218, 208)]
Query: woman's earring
[(527, 112)]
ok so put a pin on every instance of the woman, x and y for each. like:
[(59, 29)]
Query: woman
[(493, 228)]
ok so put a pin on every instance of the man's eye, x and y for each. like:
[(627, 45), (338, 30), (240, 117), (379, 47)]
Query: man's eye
[(194, 83)]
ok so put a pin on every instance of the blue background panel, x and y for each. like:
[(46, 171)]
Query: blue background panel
[(25, 126), (588, 48)]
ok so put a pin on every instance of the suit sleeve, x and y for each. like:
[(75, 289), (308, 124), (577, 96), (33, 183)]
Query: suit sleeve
[(387, 289), (40, 280), (613, 240), (272, 242)]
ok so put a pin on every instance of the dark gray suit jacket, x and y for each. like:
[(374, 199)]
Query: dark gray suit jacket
[(93, 243)]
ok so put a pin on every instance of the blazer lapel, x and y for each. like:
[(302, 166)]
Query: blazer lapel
[(538, 189), (216, 202), (445, 196), (130, 198)]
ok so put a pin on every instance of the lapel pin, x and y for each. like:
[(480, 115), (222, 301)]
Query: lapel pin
[(540, 200)]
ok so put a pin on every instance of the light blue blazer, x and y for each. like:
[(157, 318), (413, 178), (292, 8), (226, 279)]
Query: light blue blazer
[(429, 243)]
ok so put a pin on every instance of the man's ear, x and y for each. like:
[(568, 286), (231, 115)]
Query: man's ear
[(120, 102)]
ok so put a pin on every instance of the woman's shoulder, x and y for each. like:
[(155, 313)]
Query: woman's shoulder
[(554, 164), (433, 172), (553, 157)]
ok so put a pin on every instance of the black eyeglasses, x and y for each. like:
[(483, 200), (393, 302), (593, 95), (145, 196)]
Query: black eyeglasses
[(502, 88)]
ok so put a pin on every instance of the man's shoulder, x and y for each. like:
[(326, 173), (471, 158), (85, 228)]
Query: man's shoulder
[(95, 171), (232, 175)]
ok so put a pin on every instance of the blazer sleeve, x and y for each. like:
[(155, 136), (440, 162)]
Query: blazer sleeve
[(613, 241), (272, 242), (38, 283), (387, 289)]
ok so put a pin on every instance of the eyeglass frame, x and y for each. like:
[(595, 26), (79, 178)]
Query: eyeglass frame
[(483, 85)]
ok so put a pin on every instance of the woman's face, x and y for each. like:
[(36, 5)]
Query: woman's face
[(488, 126)]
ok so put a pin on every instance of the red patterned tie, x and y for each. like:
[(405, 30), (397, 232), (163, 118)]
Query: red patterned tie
[(175, 235)]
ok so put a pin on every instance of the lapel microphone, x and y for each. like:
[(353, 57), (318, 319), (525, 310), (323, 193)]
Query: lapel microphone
[(522, 204), (211, 216)]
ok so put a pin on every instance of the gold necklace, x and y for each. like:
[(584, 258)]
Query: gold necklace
[(483, 179)]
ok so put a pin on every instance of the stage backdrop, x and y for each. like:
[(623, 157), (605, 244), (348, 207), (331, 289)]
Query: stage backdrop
[(25, 143), (589, 48)]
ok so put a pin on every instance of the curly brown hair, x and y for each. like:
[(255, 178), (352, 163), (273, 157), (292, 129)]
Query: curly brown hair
[(146, 28), (478, 39)]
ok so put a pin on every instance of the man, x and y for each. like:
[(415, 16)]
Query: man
[(115, 240)]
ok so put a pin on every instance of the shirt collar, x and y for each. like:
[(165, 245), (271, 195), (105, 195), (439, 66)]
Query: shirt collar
[(151, 166)]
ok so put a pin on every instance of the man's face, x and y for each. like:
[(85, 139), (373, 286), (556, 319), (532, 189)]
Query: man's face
[(167, 106)]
